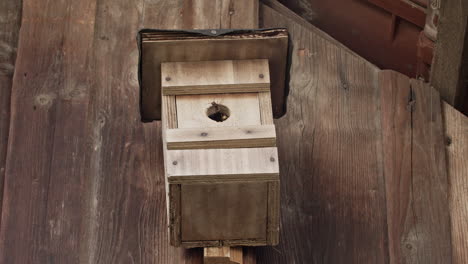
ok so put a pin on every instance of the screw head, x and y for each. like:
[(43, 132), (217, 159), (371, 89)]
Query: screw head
[(261, 75), (174, 162), (214, 31), (204, 134), (168, 78), (272, 159)]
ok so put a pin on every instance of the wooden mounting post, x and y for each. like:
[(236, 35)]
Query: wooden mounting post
[(222, 255)]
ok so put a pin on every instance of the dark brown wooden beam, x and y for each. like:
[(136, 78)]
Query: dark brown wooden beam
[(450, 67)]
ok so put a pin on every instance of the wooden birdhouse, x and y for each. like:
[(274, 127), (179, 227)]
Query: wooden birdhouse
[(220, 155)]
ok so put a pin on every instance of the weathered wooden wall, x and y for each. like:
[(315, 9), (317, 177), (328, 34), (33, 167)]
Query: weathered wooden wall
[(356, 187), (363, 170), (10, 20), (456, 126)]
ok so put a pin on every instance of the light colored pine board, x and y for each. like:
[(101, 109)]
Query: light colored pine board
[(192, 110), (456, 132), (223, 255), (224, 211), (221, 137), (266, 114), (211, 77), (169, 110), (218, 165)]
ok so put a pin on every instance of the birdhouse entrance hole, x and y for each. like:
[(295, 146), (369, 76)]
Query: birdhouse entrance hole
[(218, 112)]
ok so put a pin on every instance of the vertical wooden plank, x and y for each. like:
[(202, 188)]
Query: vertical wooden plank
[(450, 66), (128, 220), (202, 14), (44, 180), (397, 105), (10, 12), (426, 236), (332, 188), (415, 171), (456, 132)]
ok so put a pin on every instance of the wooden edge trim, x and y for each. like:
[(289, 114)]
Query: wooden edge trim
[(266, 112), (216, 89), (221, 137), (224, 144), (221, 243), (174, 214), (230, 178), (273, 213), (169, 110)]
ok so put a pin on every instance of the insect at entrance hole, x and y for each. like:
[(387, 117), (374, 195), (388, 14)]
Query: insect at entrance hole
[(218, 112)]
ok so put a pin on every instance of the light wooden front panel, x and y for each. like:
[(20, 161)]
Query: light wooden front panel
[(207, 77), (222, 165), (244, 110)]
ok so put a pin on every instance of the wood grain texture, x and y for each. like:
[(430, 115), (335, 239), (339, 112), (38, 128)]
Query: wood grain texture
[(84, 178), (214, 77), (223, 255), (200, 14), (209, 217), (221, 137), (427, 226), (332, 188), (456, 132), (415, 171), (450, 66), (10, 21), (45, 170), (396, 130), (266, 113), (218, 165), (192, 110)]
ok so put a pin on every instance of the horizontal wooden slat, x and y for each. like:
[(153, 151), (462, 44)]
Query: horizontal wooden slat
[(222, 165), (221, 137), (206, 77)]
